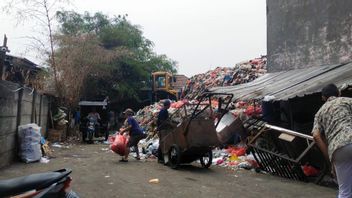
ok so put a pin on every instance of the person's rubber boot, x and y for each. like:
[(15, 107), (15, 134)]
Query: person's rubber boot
[(160, 156)]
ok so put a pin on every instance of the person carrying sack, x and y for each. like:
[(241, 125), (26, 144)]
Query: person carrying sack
[(135, 134)]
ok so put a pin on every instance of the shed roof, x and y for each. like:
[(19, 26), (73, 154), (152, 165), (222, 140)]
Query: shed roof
[(285, 85)]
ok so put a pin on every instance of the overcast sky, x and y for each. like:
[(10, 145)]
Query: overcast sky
[(198, 34)]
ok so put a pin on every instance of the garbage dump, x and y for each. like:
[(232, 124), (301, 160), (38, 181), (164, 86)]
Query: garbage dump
[(221, 76), (243, 72)]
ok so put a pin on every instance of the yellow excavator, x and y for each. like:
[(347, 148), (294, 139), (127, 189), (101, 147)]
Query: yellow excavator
[(167, 86)]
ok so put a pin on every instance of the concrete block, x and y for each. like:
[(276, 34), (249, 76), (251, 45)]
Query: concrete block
[(7, 125), (7, 90), (27, 96), (8, 143), (7, 158), (26, 108), (8, 107), (25, 119)]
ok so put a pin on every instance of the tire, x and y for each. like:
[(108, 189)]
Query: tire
[(71, 194), (174, 156), (207, 159)]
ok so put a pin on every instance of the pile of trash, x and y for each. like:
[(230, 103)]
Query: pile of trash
[(60, 118), (234, 157), (221, 76), (247, 109), (243, 72), (147, 116)]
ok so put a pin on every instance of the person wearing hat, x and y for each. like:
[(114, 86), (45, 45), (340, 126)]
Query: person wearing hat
[(162, 117), (134, 131)]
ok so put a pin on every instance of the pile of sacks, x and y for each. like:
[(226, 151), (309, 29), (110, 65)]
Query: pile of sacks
[(243, 72)]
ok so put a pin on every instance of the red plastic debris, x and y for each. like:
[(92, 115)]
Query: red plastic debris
[(220, 161), (238, 151), (310, 171)]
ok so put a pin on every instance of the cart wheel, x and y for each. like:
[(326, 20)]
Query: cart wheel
[(207, 159), (174, 156)]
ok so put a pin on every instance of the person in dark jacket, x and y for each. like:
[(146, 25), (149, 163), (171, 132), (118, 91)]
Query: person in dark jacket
[(162, 117)]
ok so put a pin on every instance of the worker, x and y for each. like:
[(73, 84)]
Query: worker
[(135, 133), (332, 133), (162, 117)]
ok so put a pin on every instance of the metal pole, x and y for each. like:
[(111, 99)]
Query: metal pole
[(290, 132)]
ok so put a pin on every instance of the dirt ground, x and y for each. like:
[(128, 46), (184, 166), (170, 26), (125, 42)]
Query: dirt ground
[(98, 173)]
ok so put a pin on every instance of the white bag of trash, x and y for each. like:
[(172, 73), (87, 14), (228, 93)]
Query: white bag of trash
[(29, 143)]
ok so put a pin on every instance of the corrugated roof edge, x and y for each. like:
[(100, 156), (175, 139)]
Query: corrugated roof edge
[(285, 85)]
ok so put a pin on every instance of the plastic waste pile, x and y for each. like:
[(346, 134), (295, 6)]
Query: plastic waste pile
[(221, 76), (60, 118), (147, 116), (246, 108), (243, 72), (234, 157)]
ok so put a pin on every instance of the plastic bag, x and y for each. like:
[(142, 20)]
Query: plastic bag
[(119, 144), (29, 143), (310, 171)]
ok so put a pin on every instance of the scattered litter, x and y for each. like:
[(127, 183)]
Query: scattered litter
[(56, 145), (154, 181), (107, 176), (44, 160), (60, 145)]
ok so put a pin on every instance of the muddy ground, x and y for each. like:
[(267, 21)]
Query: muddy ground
[(98, 173)]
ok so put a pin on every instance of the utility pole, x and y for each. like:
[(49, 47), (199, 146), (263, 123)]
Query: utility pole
[(3, 50)]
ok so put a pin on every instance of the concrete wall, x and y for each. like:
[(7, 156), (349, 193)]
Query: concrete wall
[(17, 108), (308, 33)]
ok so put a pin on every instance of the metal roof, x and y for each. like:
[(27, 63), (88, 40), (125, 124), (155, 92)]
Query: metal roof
[(92, 103), (22, 62), (285, 85)]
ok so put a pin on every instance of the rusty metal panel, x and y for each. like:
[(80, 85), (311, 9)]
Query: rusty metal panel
[(202, 133)]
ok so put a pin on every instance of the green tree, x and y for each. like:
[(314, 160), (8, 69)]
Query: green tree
[(126, 73)]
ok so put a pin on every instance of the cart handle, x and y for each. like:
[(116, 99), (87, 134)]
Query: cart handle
[(208, 94)]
